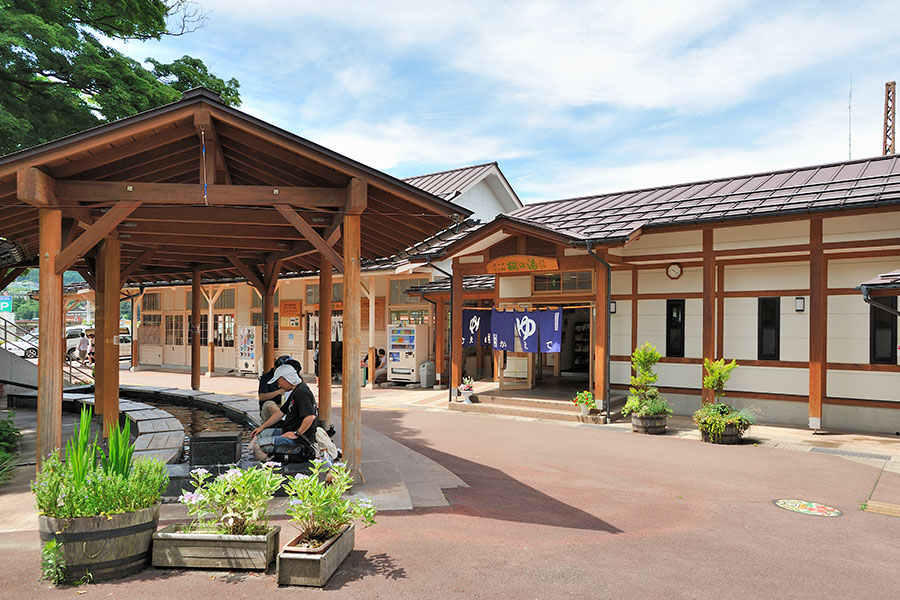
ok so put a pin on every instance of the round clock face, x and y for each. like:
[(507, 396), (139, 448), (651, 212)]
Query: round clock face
[(674, 271)]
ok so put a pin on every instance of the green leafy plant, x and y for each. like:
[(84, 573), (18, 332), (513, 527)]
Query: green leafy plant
[(9, 435), (645, 399), (81, 486), (7, 465), (318, 509), (717, 374), (119, 460), (53, 563), (235, 502), (713, 417), (585, 398)]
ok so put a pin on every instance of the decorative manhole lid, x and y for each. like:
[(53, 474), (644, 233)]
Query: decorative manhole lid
[(807, 508)]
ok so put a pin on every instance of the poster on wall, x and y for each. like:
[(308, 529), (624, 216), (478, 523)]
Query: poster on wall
[(289, 314)]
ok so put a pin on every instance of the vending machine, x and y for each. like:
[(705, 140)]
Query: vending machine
[(407, 349), (250, 348)]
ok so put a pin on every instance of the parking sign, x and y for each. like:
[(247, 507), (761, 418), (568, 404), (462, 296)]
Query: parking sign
[(5, 303)]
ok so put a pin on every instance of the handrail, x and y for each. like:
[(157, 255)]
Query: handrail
[(13, 336)]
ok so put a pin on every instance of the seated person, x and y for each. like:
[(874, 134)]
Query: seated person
[(297, 414), (269, 394), (381, 366)]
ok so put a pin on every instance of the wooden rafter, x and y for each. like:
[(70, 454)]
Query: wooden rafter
[(9, 276), (206, 131), (103, 226), (249, 274), (311, 235), (35, 187), (142, 258)]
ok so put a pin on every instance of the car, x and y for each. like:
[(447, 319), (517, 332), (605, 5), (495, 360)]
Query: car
[(73, 334), (26, 345)]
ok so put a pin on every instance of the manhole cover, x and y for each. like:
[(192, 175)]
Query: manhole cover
[(807, 508)]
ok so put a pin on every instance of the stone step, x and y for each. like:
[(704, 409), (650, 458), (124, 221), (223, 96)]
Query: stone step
[(525, 402), (594, 418)]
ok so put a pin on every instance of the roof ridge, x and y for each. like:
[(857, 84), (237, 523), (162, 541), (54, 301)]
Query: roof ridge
[(487, 164)]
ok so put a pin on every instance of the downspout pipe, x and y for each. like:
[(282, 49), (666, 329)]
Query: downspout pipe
[(599, 258), (867, 298)]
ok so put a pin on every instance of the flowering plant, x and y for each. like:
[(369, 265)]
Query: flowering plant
[(585, 398), (467, 385), (318, 509), (235, 502)]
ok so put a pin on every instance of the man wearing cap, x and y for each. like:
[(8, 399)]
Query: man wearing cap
[(298, 412), (269, 394)]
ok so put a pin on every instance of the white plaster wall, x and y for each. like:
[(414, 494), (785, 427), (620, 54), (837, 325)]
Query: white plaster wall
[(770, 234), (774, 380), (679, 375), (620, 282), (620, 329), (693, 328), (776, 276), (794, 330), (482, 201), (652, 325), (850, 273), (861, 227), (655, 281), (620, 372), (514, 287), (848, 331), (872, 385), (741, 326), (858, 418), (656, 243)]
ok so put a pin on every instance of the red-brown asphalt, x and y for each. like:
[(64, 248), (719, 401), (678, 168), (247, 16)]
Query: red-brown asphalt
[(556, 511)]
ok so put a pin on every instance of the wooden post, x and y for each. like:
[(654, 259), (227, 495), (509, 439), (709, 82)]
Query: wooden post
[(325, 292), (108, 362), (195, 330), (818, 322), (440, 323), (709, 307), (351, 417), (135, 339), (210, 333), (601, 306), (456, 309), (50, 388), (268, 302), (372, 351)]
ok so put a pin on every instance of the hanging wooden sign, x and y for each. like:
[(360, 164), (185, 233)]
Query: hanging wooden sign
[(521, 263)]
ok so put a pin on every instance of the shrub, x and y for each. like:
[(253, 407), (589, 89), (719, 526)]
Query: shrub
[(9, 435), (645, 399), (717, 374), (713, 417), (585, 398)]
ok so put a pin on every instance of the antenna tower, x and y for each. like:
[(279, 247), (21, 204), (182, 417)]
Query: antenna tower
[(890, 96)]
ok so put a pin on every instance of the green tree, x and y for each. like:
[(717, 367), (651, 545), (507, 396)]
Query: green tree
[(25, 309), (57, 76)]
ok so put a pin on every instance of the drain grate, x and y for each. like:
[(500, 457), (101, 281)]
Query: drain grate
[(850, 453)]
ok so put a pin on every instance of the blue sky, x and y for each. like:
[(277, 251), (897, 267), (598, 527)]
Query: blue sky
[(570, 98)]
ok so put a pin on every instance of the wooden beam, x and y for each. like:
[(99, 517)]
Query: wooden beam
[(35, 187), (50, 344), (253, 278), (600, 350), (351, 416), (106, 380), (187, 193), (818, 322), (103, 226), (324, 374), (440, 326), (709, 307), (221, 215), (206, 131), (142, 258), (357, 196), (273, 270), (88, 276), (456, 335), (10, 276), (333, 233), (195, 330), (311, 235), (268, 310)]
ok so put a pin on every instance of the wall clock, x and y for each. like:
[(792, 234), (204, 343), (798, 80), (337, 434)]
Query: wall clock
[(673, 271)]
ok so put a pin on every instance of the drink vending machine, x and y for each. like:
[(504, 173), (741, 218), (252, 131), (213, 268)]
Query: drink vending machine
[(250, 348), (407, 349)]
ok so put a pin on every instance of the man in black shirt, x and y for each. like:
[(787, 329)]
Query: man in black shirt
[(298, 413), (269, 394)]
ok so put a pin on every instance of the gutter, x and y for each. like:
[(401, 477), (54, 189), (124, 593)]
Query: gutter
[(599, 258), (867, 298)]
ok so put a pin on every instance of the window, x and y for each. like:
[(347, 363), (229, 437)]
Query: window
[(204, 330), (224, 330), (174, 330), (204, 303), (225, 299), (257, 320), (675, 328), (150, 329), (312, 293), (769, 327), (400, 287), (883, 332), (409, 317), (568, 281), (256, 299), (151, 302)]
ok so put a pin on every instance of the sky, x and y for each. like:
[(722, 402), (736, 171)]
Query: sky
[(570, 98)]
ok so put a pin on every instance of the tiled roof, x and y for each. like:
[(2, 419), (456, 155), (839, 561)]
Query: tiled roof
[(470, 283), (838, 186), (449, 184), (884, 281)]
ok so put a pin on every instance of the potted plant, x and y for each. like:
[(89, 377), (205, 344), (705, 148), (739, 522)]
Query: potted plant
[(720, 423), (99, 508), (648, 409), (231, 522), (325, 520), (585, 400), (466, 388)]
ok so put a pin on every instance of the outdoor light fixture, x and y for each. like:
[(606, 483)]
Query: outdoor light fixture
[(612, 307), (799, 303)]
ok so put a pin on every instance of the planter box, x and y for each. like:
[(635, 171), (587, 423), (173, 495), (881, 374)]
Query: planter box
[(174, 548), (314, 567), (104, 547), (651, 424), (731, 435)]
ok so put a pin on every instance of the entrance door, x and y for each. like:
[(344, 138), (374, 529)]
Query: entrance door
[(173, 347), (223, 329), (516, 368)]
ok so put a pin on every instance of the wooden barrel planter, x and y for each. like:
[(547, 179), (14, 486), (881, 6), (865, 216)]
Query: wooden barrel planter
[(101, 548), (651, 424), (731, 435)]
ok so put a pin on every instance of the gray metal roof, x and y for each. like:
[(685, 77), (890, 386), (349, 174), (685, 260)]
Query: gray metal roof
[(449, 184), (884, 281), (838, 186)]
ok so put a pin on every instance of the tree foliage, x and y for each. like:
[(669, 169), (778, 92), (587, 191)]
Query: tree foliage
[(60, 75)]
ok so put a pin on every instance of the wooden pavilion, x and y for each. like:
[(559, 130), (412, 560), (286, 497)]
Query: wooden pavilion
[(198, 189)]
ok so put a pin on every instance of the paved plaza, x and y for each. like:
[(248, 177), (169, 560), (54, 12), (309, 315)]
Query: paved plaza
[(550, 510)]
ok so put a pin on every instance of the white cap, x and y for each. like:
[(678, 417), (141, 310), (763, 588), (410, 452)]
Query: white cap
[(288, 372)]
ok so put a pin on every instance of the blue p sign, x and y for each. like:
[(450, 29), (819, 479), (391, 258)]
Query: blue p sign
[(5, 303)]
